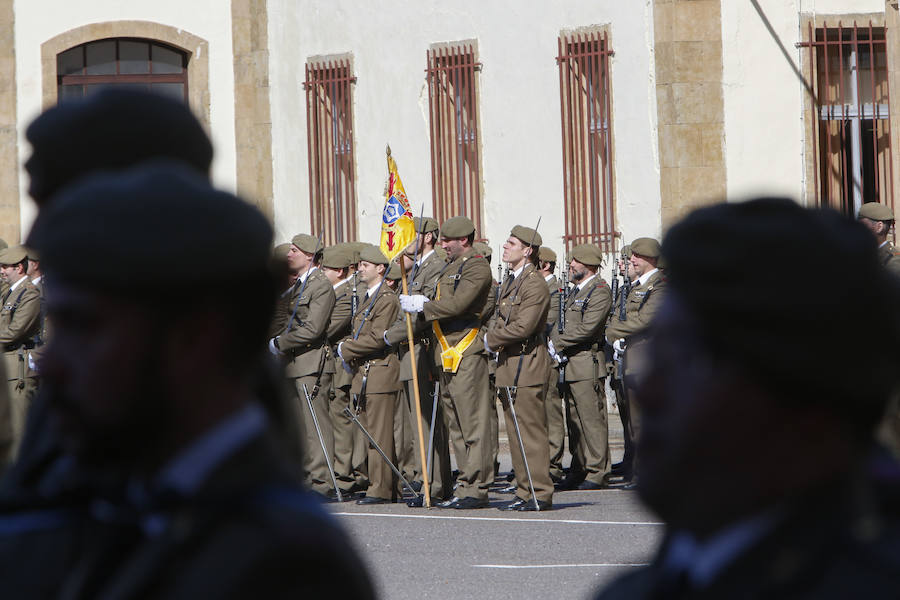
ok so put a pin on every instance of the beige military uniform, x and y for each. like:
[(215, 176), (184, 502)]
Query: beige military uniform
[(19, 322), (587, 309), (304, 343), (518, 337), (373, 362), (40, 339), (641, 305), (553, 404), (487, 320), (458, 308), (890, 257), (423, 282)]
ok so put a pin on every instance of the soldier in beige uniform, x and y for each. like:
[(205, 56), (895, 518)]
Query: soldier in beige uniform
[(376, 372), (487, 319), (578, 347), (422, 279), (646, 296), (518, 336), (455, 316), (556, 427), (304, 344), (19, 323), (43, 333)]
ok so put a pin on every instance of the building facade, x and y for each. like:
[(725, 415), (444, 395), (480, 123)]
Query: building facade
[(608, 120)]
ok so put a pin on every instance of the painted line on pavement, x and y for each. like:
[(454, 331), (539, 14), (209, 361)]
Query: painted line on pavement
[(584, 565), (501, 519)]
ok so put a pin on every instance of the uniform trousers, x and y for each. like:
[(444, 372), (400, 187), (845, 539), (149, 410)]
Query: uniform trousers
[(556, 427), (589, 420), (21, 390), (349, 443), (440, 478), (407, 460), (532, 418), (466, 402), (314, 465), (378, 418)]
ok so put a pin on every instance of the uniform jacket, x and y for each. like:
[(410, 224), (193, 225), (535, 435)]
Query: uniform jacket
[(369, 347), (464, 285), (640, 306), (338, 329), (586, 312), (890, 258), (19, 322), (553, 312), (281, 313), (423, 282), (43, 330), (304, 342), (519, 330)]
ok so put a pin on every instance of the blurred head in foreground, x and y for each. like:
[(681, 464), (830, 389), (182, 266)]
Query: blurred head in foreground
[(752, 371), (151, 344)]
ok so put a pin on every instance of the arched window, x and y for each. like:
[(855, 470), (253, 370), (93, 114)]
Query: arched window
[(122, 62)]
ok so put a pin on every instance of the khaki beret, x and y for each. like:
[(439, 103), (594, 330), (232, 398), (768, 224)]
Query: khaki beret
[(394, 272), (3, 244), (528, 235), (281, 250), (587, 254), (626, 251), (545, 254), (482, 249), (645, 247), (457, 227), (354, 249), (32, 254), (373, 254), (337, 257), (13, 256), (426, 224), (307, 243), (876, 212)]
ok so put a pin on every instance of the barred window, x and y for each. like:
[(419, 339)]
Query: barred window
[(584, 94), (850, 103), (329, 134), (453, 112), (121, 62)]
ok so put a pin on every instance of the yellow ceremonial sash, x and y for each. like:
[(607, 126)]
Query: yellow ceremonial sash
[(452, 356)]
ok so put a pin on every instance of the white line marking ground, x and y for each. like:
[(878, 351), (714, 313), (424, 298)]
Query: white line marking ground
[(501, 519), (591, 565)]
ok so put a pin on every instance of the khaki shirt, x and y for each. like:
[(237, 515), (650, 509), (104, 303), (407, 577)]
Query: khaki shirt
[(518, 332), (369, 347), (304, 342), (464, 285), (587, 310)]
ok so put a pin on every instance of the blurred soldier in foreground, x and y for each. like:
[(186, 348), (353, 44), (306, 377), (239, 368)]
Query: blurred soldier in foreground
[(879, 218), (155, 396), (518, 337), (743, 376)]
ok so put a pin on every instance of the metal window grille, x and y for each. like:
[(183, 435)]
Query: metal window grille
[(850, 102), (455, 158), (121, 62), (584, 94), (329, 138)]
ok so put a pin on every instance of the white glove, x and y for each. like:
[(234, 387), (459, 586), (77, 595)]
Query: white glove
[(31, 364), (414, 303), (486, 347), (551, 348), (274, 349), (619, 346), (384, 337), (561, 359), (339, 351)]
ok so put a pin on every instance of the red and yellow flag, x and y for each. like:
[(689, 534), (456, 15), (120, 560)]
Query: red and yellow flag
[(398, 230)]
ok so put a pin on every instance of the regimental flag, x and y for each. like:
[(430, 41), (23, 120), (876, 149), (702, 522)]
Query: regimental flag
[(398, 229)]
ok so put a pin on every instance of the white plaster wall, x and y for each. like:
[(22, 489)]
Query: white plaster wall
[(39, 20), (518, 104), (764, 95)]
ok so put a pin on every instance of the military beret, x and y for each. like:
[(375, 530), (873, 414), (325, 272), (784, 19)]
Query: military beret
[(161, 223), (876, 212), (545, 254), (33, 254), (587, 254), (529, 236), (394, 272), (645, 247), (13, 256), (626, 251), (307, 243), (3, 244), (482, 249), (280, 251), (100, 132), (337, 257), (354, 249), (372, 254), (457, 227), (426, 224)]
